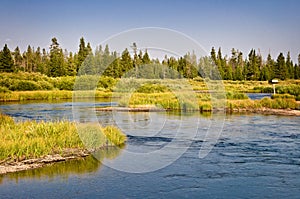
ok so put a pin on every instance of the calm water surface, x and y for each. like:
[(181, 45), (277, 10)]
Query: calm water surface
[(256, 156)]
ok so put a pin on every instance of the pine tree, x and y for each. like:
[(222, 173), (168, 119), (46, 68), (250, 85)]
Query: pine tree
[(213, 55), (126, 62), (220, 63), (18, 59), (6, 60), (45, 62), (71, 67), (28, 56), (82, 53), (56, 65), (281, 71), (297, 69), (239, 69), (146, 59), (270, 65), (38, 64), (290, 66)]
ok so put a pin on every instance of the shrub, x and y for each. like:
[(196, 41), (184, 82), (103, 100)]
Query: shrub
[(46, 85), (230, 95), (283, 96), (4, 90), (64, 83), (86, 82), (24, 85), (106, 82), (279, 103), (152, 88)]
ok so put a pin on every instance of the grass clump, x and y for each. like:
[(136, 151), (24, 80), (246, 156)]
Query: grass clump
[(114, 135), (279, 103), (31, 139), (238, 96), (282, 96)]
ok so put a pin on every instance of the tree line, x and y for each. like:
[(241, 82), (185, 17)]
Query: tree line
[(59, 62)]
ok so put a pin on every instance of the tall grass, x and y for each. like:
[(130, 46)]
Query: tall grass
[(277, 103), (31, 139), (51, 95)]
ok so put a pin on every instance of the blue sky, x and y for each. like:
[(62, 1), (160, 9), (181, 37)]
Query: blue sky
[(268, 25)]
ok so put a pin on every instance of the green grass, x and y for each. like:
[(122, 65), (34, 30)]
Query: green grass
[(31, 139), (277, 103)]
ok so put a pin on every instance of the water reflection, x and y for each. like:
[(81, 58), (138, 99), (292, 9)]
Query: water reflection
[(66, 169)]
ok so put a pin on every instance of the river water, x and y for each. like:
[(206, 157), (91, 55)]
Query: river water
[(255, 156)]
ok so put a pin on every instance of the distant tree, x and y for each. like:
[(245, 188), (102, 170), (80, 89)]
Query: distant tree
[(28, 58), (126, 62), (70, 66), (146, 58), (270, 66), (253, 66), (6, 60), (189, 65), (82, 53), (221, 63), (281, 71), (56, 64), (18, 59), (297, 69), (238, 73), (137, 59), (45, 62), (290, 66), (213, 55)]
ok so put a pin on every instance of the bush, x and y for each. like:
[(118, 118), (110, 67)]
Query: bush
[(45, 85), (24, 85), (4, 90), (86, 82), (230, 95), (290, 89), (279, 103), (106, 82), (283, 96), (262, 89), (152, 88), (64, 83)]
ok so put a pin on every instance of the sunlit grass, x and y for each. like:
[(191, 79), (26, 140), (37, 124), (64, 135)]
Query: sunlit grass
[(31, 139)]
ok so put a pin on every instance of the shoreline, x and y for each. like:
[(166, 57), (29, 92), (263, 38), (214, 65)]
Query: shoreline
[(267, 111), (11, 166)]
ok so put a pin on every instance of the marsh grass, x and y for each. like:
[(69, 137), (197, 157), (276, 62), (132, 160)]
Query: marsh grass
[(277, 103), (31, 139), (51, 95)]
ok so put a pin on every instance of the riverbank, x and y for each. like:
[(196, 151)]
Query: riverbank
[(266, 111), (10, 165)]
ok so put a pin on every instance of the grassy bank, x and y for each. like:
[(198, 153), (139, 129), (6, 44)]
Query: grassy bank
[(50, 95), (30, 139)]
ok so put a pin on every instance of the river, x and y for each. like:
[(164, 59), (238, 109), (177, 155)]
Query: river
[(255, 156)]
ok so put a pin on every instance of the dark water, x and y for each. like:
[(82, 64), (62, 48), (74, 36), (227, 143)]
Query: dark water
[(256, 156), (257, 96)]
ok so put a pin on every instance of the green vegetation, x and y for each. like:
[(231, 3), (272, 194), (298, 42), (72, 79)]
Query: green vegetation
[(30, 139), (277, 103), (57, 63), (170, 94)]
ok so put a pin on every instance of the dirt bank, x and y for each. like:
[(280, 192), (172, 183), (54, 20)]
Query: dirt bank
[(11, 165)]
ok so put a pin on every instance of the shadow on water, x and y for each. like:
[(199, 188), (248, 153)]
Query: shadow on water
[(82, 166)]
